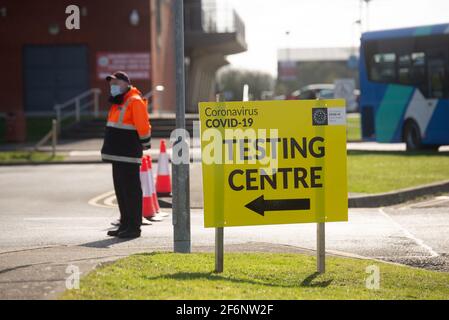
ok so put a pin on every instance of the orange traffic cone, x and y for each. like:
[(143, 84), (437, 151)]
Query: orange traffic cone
[(152, 190), (148, 210), (152, 187), (163, 183)]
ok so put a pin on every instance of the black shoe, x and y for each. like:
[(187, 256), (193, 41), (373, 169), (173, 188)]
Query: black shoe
[(129, 234), (114, 233), (116, 223)]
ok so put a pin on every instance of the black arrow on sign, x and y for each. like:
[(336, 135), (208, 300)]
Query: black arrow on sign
[(260, 205)]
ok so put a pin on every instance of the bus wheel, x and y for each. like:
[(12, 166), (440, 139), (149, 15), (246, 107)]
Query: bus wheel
[(412, 137)]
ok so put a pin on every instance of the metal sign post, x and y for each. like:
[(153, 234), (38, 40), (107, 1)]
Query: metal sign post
[(219, 236), (219, 249), (219, 232), (181, 194), (320, 248)]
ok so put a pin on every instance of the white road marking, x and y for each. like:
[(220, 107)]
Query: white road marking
[(429, 203), (94, 201), (425, 203), (399, 257), (409, 235), (109, 201)]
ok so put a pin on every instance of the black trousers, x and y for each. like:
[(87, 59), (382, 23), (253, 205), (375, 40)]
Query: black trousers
[(128, 191)]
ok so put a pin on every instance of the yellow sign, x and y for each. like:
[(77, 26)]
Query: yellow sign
[(273, 162)]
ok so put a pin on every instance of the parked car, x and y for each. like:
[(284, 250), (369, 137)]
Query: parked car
[(314, 91), (320, 91)]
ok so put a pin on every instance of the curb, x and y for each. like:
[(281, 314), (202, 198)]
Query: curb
[(398, 196), (376, 200)]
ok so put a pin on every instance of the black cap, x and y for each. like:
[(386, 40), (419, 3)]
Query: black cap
[(120, 75)]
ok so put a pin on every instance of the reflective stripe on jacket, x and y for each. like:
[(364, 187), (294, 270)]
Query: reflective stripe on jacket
[(128, 130)]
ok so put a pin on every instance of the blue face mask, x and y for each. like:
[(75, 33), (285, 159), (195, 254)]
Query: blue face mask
[(115, 90)]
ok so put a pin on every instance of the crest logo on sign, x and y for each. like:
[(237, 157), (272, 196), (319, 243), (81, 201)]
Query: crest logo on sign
[(319, 116)]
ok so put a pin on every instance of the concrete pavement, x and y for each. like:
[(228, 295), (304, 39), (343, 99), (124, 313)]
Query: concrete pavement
[(49, 221)]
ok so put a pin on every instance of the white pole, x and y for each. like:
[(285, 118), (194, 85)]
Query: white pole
[(245, 92), (58, 117), (367, 14), (77, 110), (54, 140)]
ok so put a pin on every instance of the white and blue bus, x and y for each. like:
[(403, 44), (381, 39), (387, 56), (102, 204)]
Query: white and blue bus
[(404, 84)]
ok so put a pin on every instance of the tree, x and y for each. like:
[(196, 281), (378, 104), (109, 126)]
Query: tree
[(231, 81)]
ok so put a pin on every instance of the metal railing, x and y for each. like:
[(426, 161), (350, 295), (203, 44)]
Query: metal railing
[(76, 105), (53, 135), (147, 96), (70, 108)]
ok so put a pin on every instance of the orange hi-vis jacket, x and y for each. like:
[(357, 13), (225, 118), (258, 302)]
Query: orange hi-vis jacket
[(128, 130)]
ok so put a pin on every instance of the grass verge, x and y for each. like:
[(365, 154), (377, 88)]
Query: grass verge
[(375, 172), (353, 125), (254, 276), (28, 156)]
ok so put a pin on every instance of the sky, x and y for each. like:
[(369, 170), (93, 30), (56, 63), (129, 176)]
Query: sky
[(321, 23)]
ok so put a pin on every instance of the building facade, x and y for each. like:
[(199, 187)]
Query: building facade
[(298, 67), (45, 63)]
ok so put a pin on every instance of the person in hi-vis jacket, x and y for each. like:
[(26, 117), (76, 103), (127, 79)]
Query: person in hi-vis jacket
[(127, 134)]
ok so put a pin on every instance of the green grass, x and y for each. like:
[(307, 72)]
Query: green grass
[(27, 156), (374, 172), (353, 124), (254, 276)]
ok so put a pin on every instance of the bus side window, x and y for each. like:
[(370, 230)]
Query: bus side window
[(418, 73), (405, 69), (437, 80), (383, 67)]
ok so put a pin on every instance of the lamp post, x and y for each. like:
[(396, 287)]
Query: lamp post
[(181, 188), (367, 2)]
